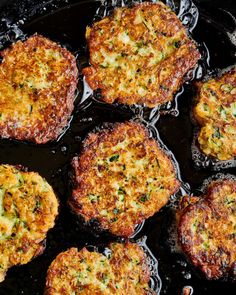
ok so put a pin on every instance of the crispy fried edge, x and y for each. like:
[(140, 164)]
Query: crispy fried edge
[(189, 205)]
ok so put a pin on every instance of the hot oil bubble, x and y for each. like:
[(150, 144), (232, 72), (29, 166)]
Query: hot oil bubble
[(155, 280), (182, 263), (187, 275), (187, 290), (64, 149), (172, 237), (188, 14), (87, 93), (86, 120)]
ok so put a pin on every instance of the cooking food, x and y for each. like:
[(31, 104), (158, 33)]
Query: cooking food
[(207, 230), (122, 177), (139, 55), (37, 83), (28, 208), (215, 111), (122, 270)]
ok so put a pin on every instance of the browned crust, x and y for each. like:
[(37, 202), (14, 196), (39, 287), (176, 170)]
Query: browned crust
[(133, 199), (183, 204), (207, 231), (126, 271), (169, 72), (51, 107)]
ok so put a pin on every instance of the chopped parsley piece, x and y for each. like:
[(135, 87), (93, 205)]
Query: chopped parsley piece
[(177, 44), (144, 198), (217, 133), (114, 158), (103, 66), (88, 268), (121, 191)]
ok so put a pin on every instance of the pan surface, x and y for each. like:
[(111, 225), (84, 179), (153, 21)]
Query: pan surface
[(65, 22)]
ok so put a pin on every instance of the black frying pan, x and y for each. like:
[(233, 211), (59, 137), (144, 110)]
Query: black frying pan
[(67, 26)]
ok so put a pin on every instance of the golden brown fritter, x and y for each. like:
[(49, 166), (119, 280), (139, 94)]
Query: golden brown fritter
[(215, 111), (139, 55), (183, 203), (37, 83), (122, 178), (207, 230), (28, 208), (123, 271)]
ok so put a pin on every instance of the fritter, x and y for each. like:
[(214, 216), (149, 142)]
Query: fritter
[(215, 111), (207, 230), (37, 84), (139, 55), (122, 177), (122, 271), (28, 208)]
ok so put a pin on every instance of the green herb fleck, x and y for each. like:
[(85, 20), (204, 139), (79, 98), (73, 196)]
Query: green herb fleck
[(205, 107), (88, 268), (222, 112), (114, 219), (121, 198), (229, 201), (140, 44), (79, 277), (116, 211), (114, 158), (217, 133), (25, 225), (206, 246), (37, 205), (177, 44), (226, 87), (144, 198), (121, 191), (93, 198), (105, 279), (103, 66)]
